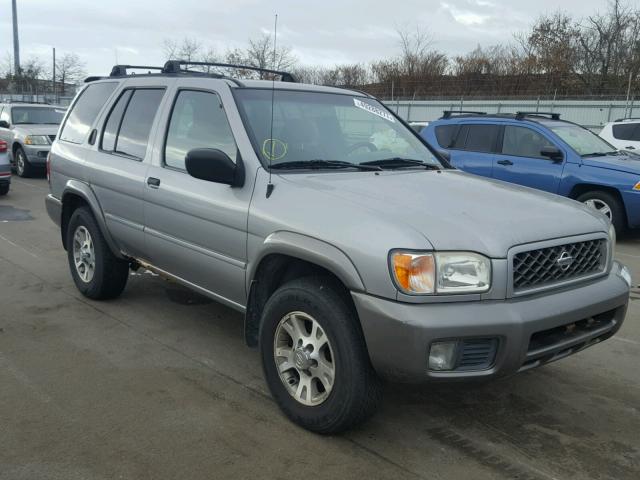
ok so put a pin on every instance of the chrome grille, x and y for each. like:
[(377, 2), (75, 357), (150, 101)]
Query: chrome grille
[(547, 266)]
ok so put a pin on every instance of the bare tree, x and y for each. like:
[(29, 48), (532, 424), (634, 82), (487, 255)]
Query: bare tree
[(260, 54), (188, 49), (69, 70)]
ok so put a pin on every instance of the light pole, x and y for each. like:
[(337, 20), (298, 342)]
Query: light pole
[(16, 42)]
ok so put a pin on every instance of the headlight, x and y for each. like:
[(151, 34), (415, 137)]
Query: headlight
[(612, 242), (36, 140), (440, 272)]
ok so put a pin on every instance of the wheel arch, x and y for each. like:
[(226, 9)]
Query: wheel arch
[(582, 188), (78, 194), (286, 256)]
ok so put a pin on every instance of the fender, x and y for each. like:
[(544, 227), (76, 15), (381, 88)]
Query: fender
[(312, 250), (84, 191)]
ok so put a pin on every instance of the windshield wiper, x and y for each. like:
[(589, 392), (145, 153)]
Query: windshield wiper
[(601, 154), (399, 162), (319, 164)]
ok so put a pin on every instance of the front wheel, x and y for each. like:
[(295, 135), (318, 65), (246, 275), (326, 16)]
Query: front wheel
[(608, 205), (314, 357), (96, 271), (23, 167), (4, 189)]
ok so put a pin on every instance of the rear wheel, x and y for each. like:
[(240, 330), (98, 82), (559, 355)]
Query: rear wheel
[(23, 167), (607, 204), (314, 357), (96, 271)]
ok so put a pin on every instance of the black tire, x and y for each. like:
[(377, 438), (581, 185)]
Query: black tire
[(110, 273), (23, 168), (4, 189), (618, 215), (356, 390)]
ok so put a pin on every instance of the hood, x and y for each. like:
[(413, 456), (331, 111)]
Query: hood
[(37, 129), (625, 162), (454, 210)]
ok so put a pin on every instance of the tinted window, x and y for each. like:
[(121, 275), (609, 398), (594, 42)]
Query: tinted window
[(113, 122), (197, 121), (85, 110), (136, 123), (445, 135), (37, 115), (627, 131), (523, 142), (481, 138)]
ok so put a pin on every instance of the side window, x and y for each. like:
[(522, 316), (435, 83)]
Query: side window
[(4, 115), (133, 135), (197, 121), (627, 131), (113, 122), (523, 142), (460, 138), (84, 111), (445, 134), (481, 138)]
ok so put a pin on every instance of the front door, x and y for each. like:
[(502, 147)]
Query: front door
[(196, 229), (520, 161)]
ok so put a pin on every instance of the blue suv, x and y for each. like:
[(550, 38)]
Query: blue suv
[(539, 150)]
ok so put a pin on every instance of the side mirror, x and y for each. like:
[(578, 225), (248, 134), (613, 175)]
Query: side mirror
[(552, 153), (4, 124), (446, 155), (214, 165)]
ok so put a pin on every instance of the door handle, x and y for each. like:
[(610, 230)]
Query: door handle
[(630, 147), (505, 162), (153, 182)]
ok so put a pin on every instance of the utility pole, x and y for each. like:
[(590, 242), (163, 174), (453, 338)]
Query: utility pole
[(55, 98), (16, 43)]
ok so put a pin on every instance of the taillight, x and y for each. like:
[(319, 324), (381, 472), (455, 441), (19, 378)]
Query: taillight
[(3, 146), (49, 167)]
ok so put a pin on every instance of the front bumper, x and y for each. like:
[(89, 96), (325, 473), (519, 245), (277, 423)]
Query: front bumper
[(399, 335), (37, 154)]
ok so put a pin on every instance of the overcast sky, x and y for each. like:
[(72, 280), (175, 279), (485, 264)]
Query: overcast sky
[(322, 31)]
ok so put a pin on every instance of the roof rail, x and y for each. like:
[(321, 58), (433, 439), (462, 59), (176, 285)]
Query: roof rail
[(174, 66), (522, 115), (450, 113), (626, 118), (122, 70)]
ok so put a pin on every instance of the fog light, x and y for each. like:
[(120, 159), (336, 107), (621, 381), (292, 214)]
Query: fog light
[(442, 355), (625, 274)]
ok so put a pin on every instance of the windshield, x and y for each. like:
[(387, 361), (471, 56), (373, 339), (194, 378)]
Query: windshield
[(310, 126), (37, 115), (583, 141)]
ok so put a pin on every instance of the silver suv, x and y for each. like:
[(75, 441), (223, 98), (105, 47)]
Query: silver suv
[(29, 130), (351, 246)]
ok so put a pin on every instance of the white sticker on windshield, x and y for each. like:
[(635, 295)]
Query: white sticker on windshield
[(375, 110)]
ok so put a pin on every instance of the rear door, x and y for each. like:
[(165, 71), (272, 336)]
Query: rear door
[(473, 146), (117, 170), (520, 161), (195, 229)]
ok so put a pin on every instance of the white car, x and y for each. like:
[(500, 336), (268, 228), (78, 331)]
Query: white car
[(624, 134), (418, 126), (5, 169)]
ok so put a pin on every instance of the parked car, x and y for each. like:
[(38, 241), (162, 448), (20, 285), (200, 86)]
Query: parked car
[(418, 126), (541, 151), (624, 134), (29, 130), (5, 169), (354, 251)]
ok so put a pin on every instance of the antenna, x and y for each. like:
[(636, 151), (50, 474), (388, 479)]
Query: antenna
[(273, 94)]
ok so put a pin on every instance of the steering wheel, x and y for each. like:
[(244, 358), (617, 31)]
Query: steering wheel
[(356, 146)]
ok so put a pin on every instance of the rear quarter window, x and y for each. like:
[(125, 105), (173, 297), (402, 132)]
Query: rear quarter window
[(445, 135), (84, 111)]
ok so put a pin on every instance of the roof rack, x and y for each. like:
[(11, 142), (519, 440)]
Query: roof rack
[(450, 113), (122, 70), (174, 66), (522, 115)]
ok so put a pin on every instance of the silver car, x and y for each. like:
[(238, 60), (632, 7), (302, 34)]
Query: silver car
[(354, 251), (29, 130)]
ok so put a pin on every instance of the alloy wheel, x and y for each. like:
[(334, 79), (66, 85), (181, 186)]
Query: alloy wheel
[(84, 254), (600, 206)]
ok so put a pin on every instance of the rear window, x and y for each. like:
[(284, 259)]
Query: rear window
[(627, 131), (481, 138), (445, 135), (84, 111)]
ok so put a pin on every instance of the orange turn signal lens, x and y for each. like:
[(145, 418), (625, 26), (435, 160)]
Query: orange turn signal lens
[(414, 272), (636, 187)]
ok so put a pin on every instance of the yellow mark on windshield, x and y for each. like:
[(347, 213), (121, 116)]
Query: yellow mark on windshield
[(274, 149)]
